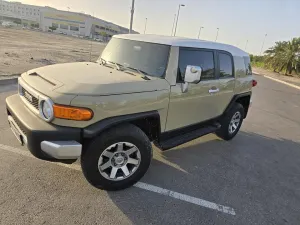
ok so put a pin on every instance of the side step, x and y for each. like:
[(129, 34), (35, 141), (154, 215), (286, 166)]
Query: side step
[(186, 137)]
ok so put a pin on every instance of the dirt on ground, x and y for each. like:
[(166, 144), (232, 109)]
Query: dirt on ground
[(286, 78), (22, 50)]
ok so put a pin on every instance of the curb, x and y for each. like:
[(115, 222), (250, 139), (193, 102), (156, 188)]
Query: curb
[(9, 81), (12, 79)]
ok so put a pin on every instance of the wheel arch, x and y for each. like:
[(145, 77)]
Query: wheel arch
[(148, 122), (243, 99)]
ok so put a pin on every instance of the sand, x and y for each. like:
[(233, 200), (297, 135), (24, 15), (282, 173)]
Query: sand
[(22, 50)]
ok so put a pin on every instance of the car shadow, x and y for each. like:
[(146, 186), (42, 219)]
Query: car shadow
[(254, 174)]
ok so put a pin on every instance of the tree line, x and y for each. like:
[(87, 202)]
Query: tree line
[(283, 57)]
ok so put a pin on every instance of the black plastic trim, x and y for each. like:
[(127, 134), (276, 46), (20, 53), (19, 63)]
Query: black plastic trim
[(235, 98), (95, 129), (185, 136)]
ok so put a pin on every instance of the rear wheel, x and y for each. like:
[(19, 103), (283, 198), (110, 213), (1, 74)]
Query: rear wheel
[(231, 123), (118, 158)]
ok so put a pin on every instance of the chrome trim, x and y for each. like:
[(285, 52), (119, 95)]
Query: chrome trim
[(48, 100), (38, 95), (13, 122), (62, 149)]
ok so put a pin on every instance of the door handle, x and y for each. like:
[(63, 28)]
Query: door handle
[(213, 90)]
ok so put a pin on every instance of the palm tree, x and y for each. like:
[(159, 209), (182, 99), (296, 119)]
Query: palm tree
[(284, 55)]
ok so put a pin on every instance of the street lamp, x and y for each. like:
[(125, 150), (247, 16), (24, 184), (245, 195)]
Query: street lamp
[(200, 32), (173, 25), (263, 44), (177, 18), (145, 25), (131, 18), (217, 34)]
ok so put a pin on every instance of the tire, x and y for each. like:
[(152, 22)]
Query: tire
[(224, 131), (128, 137)]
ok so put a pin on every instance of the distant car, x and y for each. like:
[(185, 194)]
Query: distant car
[(8, 24), (60, 32), (65, 33), (74, 35), (80, 36), (98, 39)]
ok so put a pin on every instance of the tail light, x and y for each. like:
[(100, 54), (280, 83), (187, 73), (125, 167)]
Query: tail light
[(254, 83)]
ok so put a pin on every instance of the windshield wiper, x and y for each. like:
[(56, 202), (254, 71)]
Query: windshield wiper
[(104, 62), (140, 72)]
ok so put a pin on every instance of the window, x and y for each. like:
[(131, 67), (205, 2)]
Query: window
[(226, 68), (248, 65), (203, 58), (74, 28), (148, 57), (65, 27)]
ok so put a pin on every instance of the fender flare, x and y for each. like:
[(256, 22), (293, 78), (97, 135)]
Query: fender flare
[(96, 128)]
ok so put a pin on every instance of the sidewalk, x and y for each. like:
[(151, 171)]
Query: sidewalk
[(288, 79)]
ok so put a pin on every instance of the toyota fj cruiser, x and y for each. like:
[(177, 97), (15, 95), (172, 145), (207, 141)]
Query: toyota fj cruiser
[(143, 89)]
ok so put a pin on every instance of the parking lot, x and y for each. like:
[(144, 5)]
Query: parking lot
[(253, 179)]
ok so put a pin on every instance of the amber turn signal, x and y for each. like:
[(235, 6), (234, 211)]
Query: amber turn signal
[(72, 113)]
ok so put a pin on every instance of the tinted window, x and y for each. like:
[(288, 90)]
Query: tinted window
[(225, 65), (202, 58), (248, 66)]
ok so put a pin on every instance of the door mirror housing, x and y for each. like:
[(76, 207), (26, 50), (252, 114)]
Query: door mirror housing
[(192, 75)]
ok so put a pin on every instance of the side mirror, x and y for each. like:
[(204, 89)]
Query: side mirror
[(192, 75)]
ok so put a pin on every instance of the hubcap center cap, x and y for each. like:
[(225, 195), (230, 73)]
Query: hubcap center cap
[(119, 160)]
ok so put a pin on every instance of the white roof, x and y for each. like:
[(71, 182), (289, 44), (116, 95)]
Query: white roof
[(183, 42)]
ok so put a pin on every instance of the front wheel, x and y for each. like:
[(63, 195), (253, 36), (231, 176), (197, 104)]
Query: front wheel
[(231, 123), (118, 158)]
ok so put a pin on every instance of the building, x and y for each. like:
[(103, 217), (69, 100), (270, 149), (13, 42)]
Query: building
[(47, 18), (20, 13)]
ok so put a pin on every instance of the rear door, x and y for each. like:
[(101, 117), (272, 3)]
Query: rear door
[(226, 80)]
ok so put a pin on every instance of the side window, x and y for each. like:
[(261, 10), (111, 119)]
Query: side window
[(248, 66), (226, 67), (202, 58)]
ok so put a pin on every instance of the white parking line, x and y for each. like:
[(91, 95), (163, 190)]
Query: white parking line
[(144, 186)]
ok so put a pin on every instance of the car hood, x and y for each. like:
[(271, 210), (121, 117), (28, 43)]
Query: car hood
[(86, 78)]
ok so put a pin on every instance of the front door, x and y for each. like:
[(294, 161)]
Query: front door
[(199, 103)]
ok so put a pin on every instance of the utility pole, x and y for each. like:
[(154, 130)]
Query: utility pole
[(200, 32), (145, 25), (131, 18), (217, 34), (246, 45), (173, 25), (263, 44), (177, 18)]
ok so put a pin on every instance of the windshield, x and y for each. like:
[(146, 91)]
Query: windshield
[(150, 58)]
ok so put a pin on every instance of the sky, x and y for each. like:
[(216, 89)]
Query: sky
[(237, 20)]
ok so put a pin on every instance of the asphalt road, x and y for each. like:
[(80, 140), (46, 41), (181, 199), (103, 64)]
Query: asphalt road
[(257, 174)]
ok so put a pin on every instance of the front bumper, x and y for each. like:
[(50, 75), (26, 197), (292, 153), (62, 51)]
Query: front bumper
[(44, 140)]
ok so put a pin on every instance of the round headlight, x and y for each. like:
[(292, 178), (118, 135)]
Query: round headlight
[(47, 110)]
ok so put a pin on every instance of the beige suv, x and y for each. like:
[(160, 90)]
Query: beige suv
[(143, 89)]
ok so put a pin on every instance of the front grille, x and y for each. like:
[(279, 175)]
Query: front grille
[(30, 98)]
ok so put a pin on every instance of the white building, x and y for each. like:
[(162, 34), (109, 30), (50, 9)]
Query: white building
[(28, 14), (60, 21)]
